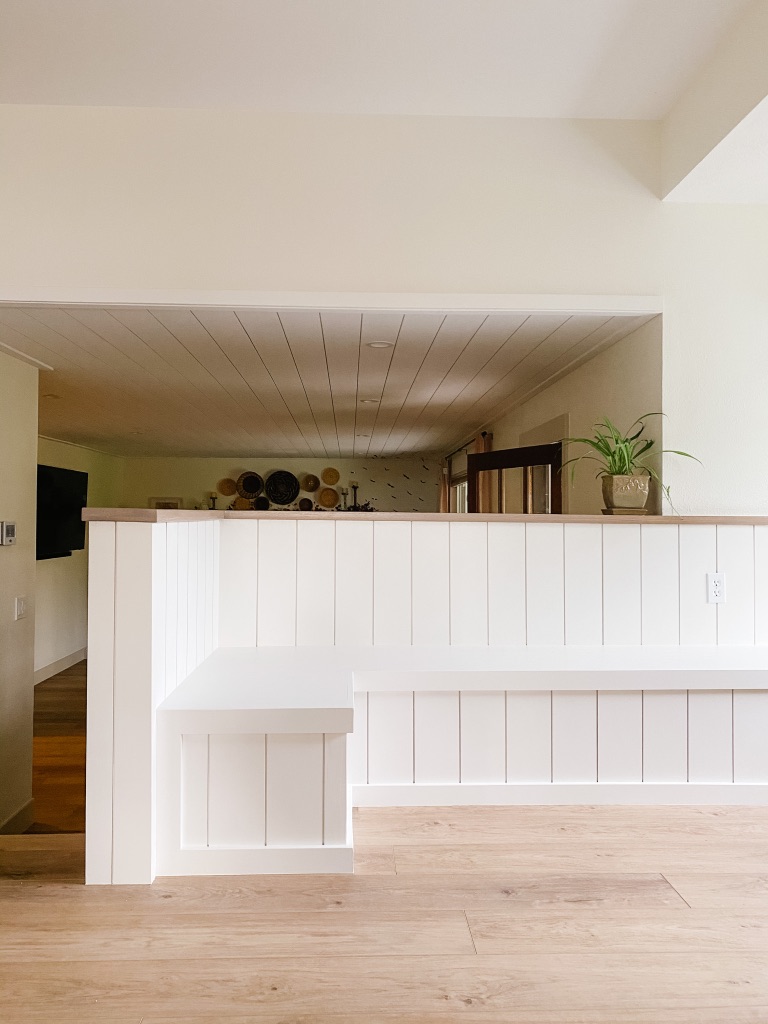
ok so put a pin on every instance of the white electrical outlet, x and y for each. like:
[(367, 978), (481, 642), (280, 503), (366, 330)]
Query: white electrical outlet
[(716, 587), (21, 608)]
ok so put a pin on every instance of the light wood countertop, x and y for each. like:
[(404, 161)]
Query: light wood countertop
[(151, 515)]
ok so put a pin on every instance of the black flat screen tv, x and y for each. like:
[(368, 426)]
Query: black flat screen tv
[(61, 496)]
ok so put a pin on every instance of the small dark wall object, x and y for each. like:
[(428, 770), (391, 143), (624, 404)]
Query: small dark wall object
[(261, 504), (249, 485), (281, 487), (306, 504)]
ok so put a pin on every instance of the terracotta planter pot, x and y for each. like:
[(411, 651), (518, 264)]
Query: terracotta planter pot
[(625, 491)]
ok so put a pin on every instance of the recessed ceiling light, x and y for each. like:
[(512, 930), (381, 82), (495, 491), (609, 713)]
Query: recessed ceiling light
[(362, 435), (137, 431), (51, 396), (369, 401), (379, 344)]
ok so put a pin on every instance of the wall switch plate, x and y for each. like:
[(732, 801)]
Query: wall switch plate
[(716, 587), (21, 608), (7, 533)]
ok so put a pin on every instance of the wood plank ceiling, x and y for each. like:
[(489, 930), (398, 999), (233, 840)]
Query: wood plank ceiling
[(234, 382)]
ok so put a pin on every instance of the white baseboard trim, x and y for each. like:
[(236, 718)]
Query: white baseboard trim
[(41, 674), (20, 821), (263, 860), (419, 795)]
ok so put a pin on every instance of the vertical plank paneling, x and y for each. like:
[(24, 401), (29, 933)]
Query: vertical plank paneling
[(215, 586), (390, 738), (583, 583), (277, 583), (620, 736), (660, 584), (236, 790), (483, 737), (545, 570), (710, 735), (761, 584), (182, 602), (392, 584), (238, 571), (100, 718), (529, 736), (192, 596), (736, 558), (194, 789), (506, 584), (430, 584), (202, 581), (211, 583), (171, 606), (294, 789), (134, 713), (335, 799), (750, 736), (469, 583), (621, 585), (358, 742), (354, 583), (436, 737), (315, 583), (574, 736), (160, 685), (698, 556), (665, 736)]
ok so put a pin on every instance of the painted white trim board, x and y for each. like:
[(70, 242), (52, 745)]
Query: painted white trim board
[(20, 821), (273, 860), (41, 674), (558, 793)]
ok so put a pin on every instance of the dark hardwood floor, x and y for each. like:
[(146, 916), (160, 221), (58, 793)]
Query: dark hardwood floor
[(58, 760)]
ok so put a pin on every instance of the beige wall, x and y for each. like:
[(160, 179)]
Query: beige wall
[(61, 588), (18, 441), (401, 485), (623, 382), (226, 206), (157, 199)]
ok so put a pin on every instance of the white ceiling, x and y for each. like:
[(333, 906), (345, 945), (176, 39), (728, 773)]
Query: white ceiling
[(506, 58), (225, 382)]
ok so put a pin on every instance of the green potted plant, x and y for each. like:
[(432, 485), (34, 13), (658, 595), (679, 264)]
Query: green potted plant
[(623, 457)]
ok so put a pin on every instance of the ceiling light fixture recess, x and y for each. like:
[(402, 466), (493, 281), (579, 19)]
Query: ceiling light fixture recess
[(379, 344), (369, 401)]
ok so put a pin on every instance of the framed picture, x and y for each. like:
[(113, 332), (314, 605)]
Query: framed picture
[(165, 503)]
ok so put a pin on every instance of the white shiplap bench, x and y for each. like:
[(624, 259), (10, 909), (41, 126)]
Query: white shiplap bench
[(252, 746)]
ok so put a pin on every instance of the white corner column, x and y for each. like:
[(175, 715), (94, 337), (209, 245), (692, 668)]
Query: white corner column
[(120, 762)]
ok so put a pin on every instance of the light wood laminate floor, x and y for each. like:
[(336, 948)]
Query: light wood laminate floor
[(530, 915)]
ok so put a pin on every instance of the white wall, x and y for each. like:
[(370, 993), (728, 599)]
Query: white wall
[(212, 199), (716, 356), (61, 586), (18, 441), (391, 485), (622, 382)]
